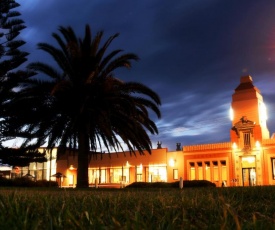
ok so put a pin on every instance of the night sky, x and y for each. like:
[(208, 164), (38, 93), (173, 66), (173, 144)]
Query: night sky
[(192, 53)]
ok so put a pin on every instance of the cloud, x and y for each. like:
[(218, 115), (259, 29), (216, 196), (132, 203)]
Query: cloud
[(192, 53)]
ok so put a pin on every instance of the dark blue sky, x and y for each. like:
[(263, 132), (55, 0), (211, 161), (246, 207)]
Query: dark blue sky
[(192, 53)]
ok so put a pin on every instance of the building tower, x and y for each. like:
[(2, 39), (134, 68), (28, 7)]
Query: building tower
[(248, 132), (248, 115)]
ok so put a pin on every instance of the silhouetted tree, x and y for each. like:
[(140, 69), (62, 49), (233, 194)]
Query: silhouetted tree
[(10, 80), (10, 57), (82, 105)]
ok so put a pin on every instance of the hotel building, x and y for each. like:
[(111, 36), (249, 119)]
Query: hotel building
[(247, 159)]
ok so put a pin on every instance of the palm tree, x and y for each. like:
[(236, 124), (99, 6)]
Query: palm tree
[(82, 105)]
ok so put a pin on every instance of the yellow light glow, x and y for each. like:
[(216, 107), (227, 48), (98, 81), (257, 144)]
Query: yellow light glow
[(258, 145), (71, 167), (234, 146), (172, 162), (249, 159)]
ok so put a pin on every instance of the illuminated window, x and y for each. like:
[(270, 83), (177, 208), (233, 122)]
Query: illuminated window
[(273, 168), (156, 173), (207, 170), (103, 176), (224, 170), (93, 175), (215, 170), (192, 171), (71, 180), (175, 174), (200, 171), (139, 172)]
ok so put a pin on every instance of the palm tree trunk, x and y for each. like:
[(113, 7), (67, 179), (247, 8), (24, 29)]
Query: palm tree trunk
[(83, 160)]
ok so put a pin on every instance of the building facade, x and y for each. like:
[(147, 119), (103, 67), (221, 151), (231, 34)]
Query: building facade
[(247, 159)]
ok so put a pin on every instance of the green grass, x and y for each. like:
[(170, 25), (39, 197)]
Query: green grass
[(170, 208)]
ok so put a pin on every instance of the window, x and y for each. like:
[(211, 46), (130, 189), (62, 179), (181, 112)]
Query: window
[(200, 171), (246, 138), (207, 170), (192, 171), (175, 174), (224, 170), (215, 171), (273, 168)]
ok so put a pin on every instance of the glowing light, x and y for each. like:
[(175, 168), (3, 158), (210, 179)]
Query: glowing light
[(172, 162), (258, 145), (249, 159), (263, 111), (231, 114), (234, 146), (71, 167)]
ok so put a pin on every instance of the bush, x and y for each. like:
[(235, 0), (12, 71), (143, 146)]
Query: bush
[(4, 182), (197, 183), (186, 184), (26, 182), (23, 182), (46, 183), (150, 185)]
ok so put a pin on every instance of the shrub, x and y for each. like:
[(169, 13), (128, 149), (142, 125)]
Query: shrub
[(26, 182), (46, 183), (197, 183), (23, 182), (186, 184), (4, 182)]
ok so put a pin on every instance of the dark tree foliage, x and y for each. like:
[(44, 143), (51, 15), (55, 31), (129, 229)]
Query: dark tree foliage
[(10, 79), (10, 58), (21, 156), (82, 105)]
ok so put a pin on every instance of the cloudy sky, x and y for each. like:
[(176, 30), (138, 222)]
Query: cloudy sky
[(192, 53)]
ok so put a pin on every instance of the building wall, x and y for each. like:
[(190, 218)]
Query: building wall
[(248, 158)]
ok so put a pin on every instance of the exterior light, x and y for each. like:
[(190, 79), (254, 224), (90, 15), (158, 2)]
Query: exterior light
[(71, 167), (172, 162), (127, 164), (234, 146), (258, 145), (250, 159)]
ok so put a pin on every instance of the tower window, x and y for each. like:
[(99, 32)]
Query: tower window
[(246, 138)]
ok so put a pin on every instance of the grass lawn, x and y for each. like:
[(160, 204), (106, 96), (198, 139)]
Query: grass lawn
[(129, 208)]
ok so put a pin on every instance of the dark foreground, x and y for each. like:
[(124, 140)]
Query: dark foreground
[(143, 208)]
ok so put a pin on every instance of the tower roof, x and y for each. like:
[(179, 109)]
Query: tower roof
[(246, 83)]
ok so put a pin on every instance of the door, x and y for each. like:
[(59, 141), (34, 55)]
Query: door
[(249, 176), (248, 170)]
